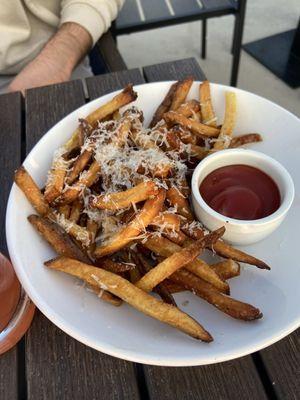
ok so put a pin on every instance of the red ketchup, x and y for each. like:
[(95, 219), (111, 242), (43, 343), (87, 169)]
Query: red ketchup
[(240, 192)]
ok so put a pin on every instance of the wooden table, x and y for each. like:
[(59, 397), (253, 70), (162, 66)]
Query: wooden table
[(48, 364)]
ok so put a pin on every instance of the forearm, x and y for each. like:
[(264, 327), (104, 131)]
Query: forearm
[(57, 59), (67, 47)]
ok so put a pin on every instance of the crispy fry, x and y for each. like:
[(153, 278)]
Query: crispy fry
[(189, 108), (161, 288), (164, 106), (226, 132), (116, 201), (227, 251), (78, 232), (192, 230), (79, 166), (87, 179), (113, 266), (57, 238), (181, 91), (173, 287), (184, 135), (125, 97), (199, 152), (177, 260), (166, 248), (207, 110), (206, 291), (168, 221), (31, 191), (196, 127), (242, 140), (176, 237), (132, 295), (65, 210), (64, 246), (75, 211), (149, 211), (177, 199), (56, 178), (227, 269)]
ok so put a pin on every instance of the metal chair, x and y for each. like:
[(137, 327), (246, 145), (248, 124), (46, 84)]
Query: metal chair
[(140, 15)]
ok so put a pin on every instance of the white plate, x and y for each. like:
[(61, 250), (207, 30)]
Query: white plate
[(128, 334)]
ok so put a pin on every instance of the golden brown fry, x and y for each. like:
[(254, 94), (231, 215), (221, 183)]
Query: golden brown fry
[(207, 111), (196, 127), (122, 132), (227, 269), (173, 287), (132, 295), (177, 260), (166, 248), (75, 211), (227, 251), (87, 179), (168, 221), (125, 97), (206, 291), (184, 135), (176, 237), (31, 191), (78, 166), (57, 238), (118, 200), (189, 108), (191, 231), (199, 152), (242, 140), (181, 91), (223, 141), (164, 106), (56, 179), (65, 210), (177, 199), (113, 266), (149, 211), (161, 288)]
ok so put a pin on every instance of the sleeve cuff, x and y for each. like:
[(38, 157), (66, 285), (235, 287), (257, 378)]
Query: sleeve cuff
[(87, 17)]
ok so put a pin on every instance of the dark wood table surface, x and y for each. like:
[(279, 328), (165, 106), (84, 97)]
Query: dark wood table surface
[(47, 363)]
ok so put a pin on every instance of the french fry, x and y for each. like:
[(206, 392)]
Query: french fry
[(132, 295), (184, 135), (78, 166), (206, 291), (227, 269), (166, 248), (177, 260), (75, 211), (161, 288), (122, 132), (56, 178), (61, 242), (173, 287), (189, 108), (149, 211), (181, 91), (31, 191), (65, 210), (226, 132), (119, 200), (113, 266), (196, 127), (125, 97), (225, 250), (207, 110), (164, 106), (177, 199), (167, 220), (192, 230), (242, 140), (176, 237), (87, 179), (199, 152)]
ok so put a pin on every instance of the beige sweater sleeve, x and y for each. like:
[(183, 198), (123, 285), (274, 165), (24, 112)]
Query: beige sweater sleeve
[(94, 15)]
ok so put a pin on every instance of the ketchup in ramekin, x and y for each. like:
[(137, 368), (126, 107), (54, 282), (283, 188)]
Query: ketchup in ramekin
[(241, 192)]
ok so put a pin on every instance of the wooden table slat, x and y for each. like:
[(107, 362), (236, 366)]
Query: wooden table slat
[(102, 84), (57, 366), (232, 380), (10, 158), (174, 70), (282, 364)]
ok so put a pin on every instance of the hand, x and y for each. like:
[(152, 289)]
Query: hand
[(56, 61)]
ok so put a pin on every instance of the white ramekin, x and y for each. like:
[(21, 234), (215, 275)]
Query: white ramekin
[(240, 231)]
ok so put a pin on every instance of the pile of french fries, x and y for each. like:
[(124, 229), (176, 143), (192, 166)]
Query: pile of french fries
[(115, 206)]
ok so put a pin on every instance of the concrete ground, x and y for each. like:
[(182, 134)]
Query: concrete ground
[(263, 18)]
